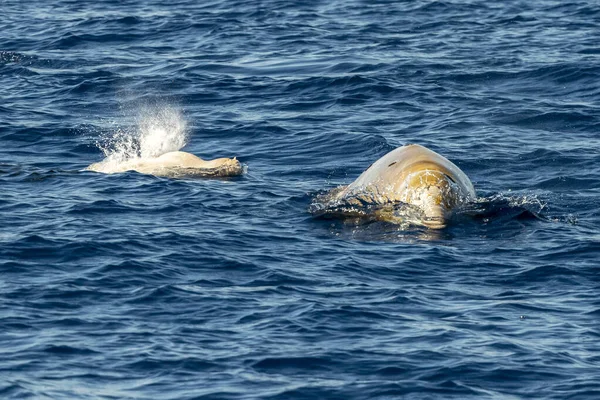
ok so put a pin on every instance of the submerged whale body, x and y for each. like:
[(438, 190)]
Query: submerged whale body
[(410, 175), (172, 164)]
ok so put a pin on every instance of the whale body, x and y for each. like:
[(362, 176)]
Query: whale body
[(413, 175), (172, 164)]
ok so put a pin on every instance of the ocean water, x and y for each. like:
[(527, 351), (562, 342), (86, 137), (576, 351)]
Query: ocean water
[(129, 286)]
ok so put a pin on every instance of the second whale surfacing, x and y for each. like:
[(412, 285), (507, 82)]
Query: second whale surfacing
[(412, 176), (174, 164)]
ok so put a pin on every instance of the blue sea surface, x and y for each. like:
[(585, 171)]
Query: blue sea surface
[(131, 286)]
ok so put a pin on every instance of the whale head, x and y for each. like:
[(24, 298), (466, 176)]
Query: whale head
[(431, 190)]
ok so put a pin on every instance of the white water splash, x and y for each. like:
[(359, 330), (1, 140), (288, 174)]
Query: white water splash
[(161, 131), (157, 130), (530, 201)]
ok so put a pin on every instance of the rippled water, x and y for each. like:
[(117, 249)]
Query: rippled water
[(131, 286)]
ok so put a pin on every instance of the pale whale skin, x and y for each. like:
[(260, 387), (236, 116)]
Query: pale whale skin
[(413, 175), (173, 164)]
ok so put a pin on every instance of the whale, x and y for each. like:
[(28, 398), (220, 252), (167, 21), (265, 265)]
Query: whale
[(411, 175), (173, 164)]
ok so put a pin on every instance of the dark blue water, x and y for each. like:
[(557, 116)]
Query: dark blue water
[(129, 286)]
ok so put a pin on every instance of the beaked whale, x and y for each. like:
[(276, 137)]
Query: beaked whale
[(172, 164), (413, 175)]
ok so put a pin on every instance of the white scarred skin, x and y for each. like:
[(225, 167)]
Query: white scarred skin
[(172, 164), (414, 175)]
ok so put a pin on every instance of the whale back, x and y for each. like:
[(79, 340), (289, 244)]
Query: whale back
[(173, 164)]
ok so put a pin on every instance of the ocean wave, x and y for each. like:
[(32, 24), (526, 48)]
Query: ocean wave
[(124, 285)]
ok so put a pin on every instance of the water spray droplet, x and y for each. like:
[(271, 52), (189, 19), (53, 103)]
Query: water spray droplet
[(158, 130)]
